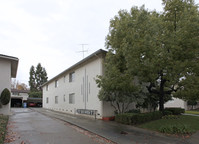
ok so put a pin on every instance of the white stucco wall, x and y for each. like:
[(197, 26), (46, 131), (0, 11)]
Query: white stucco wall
[(85, 71), (109, 111), (5, 82), (24, 96), (176, 102)]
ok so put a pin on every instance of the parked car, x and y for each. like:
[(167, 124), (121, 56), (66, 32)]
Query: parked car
[(31, 104), (39, 104)]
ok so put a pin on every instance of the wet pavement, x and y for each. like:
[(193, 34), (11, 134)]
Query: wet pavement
[(27, 126), (42, 126), (118, 133)]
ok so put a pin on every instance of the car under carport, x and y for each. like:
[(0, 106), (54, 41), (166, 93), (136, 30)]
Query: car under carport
[(16, 102)]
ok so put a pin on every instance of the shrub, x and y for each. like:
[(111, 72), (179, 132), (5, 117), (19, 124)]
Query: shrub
[(124, 118), (171, 117), (35, 94), (133, 111), (167, 112), (175, 111), (137, 118), (5, 96), (192, 102), (176, 129)]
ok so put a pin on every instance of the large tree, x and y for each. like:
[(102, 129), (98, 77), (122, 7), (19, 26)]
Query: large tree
[(37, 77), (40, 76), (117, 87), (160, 49), (32, 83)]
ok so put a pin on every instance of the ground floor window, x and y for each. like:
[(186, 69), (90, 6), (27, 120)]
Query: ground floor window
[(56, 99), (71, 98), (64, 98), (47, 100)]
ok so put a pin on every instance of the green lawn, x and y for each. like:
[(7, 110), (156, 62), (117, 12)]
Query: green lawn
[(3, 124), (192, 112), (192, 122)]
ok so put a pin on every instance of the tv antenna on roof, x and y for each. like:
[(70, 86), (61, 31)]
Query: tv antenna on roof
[(83, 50)]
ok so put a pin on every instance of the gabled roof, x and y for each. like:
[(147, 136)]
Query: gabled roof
[(20, 91), (95, 54), (14, 64)]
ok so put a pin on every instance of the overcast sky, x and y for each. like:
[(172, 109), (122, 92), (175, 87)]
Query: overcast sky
[(51, 31)]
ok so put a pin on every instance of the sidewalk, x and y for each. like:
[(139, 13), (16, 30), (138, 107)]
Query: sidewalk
[(118, 133), (190, 114)]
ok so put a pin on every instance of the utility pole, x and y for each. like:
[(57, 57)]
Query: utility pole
[(83, 50)]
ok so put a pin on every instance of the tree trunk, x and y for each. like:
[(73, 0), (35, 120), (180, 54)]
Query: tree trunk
[(161, 103), (161, 96)]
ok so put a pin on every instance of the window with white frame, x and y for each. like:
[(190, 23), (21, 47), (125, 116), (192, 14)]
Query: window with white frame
[(46, 87), (64, 79), (47, 100), (64, 98), (72, 98), (56, 99), (71, 76), (56, 83)]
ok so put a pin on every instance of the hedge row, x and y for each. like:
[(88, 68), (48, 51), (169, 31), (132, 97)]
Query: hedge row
[(137, 118), (174, 111)]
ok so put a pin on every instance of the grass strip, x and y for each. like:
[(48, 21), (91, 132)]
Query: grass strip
[(3, 125), (191, 122), (192, 112)]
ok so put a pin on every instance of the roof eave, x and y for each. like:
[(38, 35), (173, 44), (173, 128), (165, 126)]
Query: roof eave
[(14, 67), (100, 51), (14, 64)]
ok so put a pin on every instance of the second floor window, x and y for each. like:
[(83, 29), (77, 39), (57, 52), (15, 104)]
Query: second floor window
[(47, 100), (56, 83), (46, 87), (71, 76), (64, 79)]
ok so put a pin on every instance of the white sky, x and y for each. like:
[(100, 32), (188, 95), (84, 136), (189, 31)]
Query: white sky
[(51, 31)]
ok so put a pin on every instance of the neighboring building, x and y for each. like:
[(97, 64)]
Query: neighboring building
[(8, 70), (75, 90), (19, 97), (176, 102)]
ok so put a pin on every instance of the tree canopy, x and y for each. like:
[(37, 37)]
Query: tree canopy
[(160, 49), (37, 77), (18, 85), (117, 87)]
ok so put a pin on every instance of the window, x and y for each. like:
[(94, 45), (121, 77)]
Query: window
[(47, 100), (71, 98), (71, 77), (89, 88), (64, 79), (46, 87), (56, 99), (15, 93), (64, 98), (56, 83)]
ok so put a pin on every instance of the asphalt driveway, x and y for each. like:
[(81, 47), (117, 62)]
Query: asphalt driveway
[(42, 126), (30, 127)]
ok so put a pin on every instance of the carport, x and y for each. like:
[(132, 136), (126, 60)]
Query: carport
[(16, 102)]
